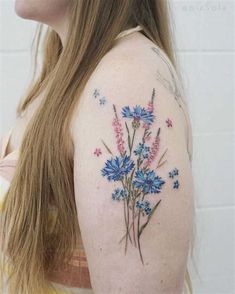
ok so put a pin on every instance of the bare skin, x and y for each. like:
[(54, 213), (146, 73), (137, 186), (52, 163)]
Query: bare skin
[(53, 13)]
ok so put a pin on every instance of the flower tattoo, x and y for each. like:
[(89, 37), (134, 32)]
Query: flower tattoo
[(96, 93), (138, 113), (176, 184), (97, 152), (134, 168), (116, 168), (119, 194), (148, 182), (173, 173), (169, 123), (102, 101)]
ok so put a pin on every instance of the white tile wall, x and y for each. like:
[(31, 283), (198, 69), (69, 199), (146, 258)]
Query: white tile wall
[(15, 40), (210, 89), (213, 170), (204, 25), (16, 33), (205, 43), (205, 35), (14, 75)]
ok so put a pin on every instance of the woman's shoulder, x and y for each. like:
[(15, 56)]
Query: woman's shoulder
[(137, 59), (127, 75), (137, 63), (130, 144)]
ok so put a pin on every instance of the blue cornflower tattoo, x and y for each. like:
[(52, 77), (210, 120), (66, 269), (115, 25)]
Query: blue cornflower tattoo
[(102, 101), (138, 113), (176, 184), (116, 168), (149, 182), (176, 172), (96, 93), (173, 173), (143, 150), (148, 210), (144, 205), (119, 194), (139, 204)]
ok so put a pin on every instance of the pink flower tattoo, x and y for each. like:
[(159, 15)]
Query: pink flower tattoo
[(118, 133), (97, 152), (154, 150), (169, 123)]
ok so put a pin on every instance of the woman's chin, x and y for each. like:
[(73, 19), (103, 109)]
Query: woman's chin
[(24, 9)]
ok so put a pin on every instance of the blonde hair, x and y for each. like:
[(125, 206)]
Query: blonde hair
[(44, 172)]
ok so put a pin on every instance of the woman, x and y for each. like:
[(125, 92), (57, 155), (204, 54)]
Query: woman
[(101, 196)]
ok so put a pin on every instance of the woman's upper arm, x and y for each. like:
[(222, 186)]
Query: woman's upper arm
[(133, 183)]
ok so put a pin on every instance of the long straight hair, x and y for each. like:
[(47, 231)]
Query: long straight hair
[(44, 171)]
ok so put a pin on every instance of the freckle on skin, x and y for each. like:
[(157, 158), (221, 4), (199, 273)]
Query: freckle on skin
[(161, 281), (100, 249)]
